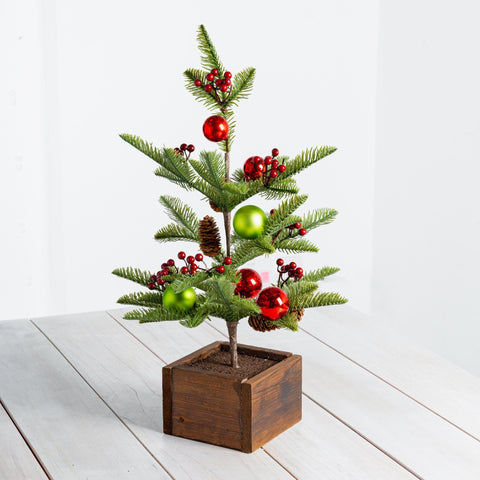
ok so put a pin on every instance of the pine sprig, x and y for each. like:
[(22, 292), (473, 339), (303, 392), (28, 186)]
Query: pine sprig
[(181, 213), (306, 159), (242, 86), (176, 233), (320, 216), (134, 274), (319, 274), (296, 245), (288, 321), (160, 314), (247, 250), (209, 58), (321, 300), (276, 221), (142, 299)]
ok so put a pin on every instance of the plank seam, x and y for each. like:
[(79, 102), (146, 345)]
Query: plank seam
[(283, 466), (398, 462), (390, 384), (101, 398), (136, 338), (25, 439)]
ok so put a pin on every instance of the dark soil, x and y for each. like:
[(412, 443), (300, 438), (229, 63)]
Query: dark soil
[(219, 361)]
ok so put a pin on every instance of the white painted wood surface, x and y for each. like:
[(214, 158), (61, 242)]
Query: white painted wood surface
[(72, 430), (16, 459), (85, 390)]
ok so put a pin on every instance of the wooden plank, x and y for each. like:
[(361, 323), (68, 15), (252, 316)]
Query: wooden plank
[(129, 378), (72, 431), (407, 431), (325, 453), (434, 382), (16, 459)]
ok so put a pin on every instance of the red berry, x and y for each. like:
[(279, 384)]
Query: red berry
[(227, 261), (165, 272), (171, 262), (275, 152), (291, 273), (291, 227), (268, 160), (181, 255), (191, 148), (302, 232), (184, 270), (228, 75), (260, 167), (223, 88), (198, 83), (299, 272), (153, 278), (183, 146), (161, 281), (275, 164), (227, 81), (193, 268), (272, 211), (256, 175), (198, 257), (280, 261), (190, 259), (210, 77), (164, 265), (274, 173), (298, 225), (292, 265), (220, 269), (257, 159), (215, 71), (151, 286), (282, 168), (208, 88), (218, 82)]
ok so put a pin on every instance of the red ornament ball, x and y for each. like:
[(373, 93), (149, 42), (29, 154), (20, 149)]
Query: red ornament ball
[(273, 303), (250, 283), (215, 128), (249, 167)]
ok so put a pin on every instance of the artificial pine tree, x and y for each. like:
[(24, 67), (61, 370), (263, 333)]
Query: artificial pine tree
[(195, 292)]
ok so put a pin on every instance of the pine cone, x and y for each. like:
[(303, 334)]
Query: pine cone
[(209, 237), (299, 313), (260, 324), (215, 207)]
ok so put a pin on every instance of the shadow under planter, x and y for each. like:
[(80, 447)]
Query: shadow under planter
[(229, 410)]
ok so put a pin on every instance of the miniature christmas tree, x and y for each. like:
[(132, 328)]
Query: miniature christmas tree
[(195, 291)]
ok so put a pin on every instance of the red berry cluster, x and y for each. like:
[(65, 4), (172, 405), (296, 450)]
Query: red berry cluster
[(291, 229), (266, 168), (216, 82), (289, 271), (158, 280), (185, 150)]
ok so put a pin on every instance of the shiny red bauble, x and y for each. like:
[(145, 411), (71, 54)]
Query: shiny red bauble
[(249, 167), (215, 128), (250, 283), (273, 303)]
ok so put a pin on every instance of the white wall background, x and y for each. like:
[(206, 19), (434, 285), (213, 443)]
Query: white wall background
[(76, 201)]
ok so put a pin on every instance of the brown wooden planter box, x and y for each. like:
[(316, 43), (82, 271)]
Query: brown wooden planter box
[(221, 409)]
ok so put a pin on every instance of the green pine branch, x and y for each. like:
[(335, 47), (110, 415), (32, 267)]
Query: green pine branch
[(295, 245), (277, 221), (206, 98), (159, 314), (175, 233), (209, 58), (288, 321), (142, 299), (134, 274), (306, 159), (320, 216), (242, 86), (321, 300), (319, 274), (181, 213)]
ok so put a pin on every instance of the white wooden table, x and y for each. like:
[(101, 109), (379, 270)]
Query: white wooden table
[(81, 398)]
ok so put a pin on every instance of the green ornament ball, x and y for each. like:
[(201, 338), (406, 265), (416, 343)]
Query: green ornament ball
[(249, 221), (183, 300)]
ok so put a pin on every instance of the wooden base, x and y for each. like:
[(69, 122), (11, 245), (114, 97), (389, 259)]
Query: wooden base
[(220, 409)]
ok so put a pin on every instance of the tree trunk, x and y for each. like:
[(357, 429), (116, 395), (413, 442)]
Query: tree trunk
[(232, 336)]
